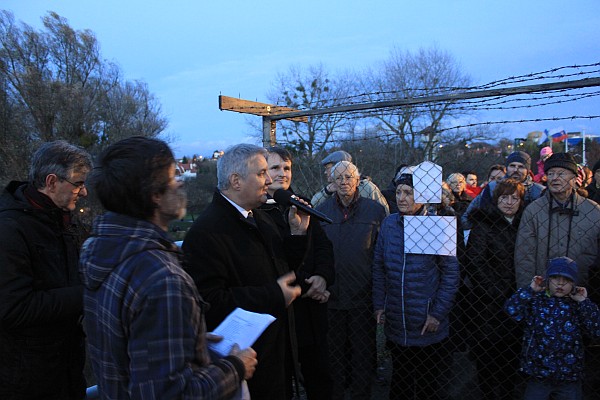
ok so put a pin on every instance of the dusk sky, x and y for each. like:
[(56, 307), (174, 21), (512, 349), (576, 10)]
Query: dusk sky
[(190, 51)]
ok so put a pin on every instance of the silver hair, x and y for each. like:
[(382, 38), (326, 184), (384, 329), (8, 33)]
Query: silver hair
[(347, 165), (59, 158), (235, 161)]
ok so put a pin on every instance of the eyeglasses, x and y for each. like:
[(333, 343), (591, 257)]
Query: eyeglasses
[(343, 178), (79, 185)]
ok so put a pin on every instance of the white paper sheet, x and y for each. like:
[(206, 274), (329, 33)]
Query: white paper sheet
[(427, 183), (241, 327), (430, 235)]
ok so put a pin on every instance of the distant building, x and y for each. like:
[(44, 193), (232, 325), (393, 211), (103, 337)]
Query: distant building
[(184, 171)]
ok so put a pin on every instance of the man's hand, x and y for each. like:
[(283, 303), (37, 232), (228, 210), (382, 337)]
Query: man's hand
[(331, 187), (579, 294), (248, 357), (298, 220), (431, 325), (537, 283), (380, 317), (318, 285), (290, 292)]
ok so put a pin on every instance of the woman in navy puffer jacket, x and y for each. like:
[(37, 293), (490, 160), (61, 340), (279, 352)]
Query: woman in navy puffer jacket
[(412, 296)]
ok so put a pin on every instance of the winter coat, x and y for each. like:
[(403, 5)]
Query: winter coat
[(489, 263), (353, 237), (144, 317), (41, 300), (593, 191), (408, 287), (553, 348), (235, 263), (310, 315), (543, 234)]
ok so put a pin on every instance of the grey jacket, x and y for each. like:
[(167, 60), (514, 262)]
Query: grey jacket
[(543, 234)]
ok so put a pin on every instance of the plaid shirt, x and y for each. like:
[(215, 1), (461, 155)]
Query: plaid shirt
[(144, 318)]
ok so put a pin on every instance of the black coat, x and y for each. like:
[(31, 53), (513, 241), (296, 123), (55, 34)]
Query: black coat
[(490, 267), (593, 192), (41, 300), (310, 315), (236, 264)]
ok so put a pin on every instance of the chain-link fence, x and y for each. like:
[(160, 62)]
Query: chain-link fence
[(418, 309)]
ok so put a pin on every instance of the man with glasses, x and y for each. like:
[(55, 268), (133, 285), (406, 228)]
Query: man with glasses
[(41, 296), (353, 233)]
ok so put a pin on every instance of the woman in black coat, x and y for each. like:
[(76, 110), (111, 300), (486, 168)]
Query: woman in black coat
[(490, 267)]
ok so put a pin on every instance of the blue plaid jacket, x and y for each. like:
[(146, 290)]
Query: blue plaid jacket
[(144, 318)]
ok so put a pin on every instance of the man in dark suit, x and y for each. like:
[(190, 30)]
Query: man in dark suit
[(238, 258)]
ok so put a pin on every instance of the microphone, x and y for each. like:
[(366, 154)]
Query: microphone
[(285, 198)]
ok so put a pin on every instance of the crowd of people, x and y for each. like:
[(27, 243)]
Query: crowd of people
[(514, 285)]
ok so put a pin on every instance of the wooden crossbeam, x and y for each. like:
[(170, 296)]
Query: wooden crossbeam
[(256, 108)]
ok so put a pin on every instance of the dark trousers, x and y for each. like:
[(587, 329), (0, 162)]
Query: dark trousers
[(497, 364), (314, 364), (420, 372), (352, 351)]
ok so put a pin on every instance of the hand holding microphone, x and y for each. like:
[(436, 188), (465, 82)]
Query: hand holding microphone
[(285, 197)]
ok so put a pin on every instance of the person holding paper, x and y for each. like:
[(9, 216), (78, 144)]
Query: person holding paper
[(143, 315), (489, 262), (412, 296), (238, 258), (353, 233)]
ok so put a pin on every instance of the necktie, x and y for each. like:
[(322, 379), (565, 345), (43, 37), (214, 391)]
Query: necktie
[(250, 218)]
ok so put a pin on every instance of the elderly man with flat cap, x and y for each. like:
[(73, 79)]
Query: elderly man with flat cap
[(560, 223), (366, 188)]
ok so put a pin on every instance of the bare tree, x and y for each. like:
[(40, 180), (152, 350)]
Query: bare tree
[(426, 73), (310, 88), (55, 85)]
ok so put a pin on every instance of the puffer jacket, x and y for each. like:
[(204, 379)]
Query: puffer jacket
[(408, 287), (553, 348), (573, 232)]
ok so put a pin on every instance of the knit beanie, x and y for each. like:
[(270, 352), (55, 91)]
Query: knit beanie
[(562, 266), (561, 160), (521, 157)]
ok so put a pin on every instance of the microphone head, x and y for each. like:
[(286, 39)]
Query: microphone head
[(282, 196)]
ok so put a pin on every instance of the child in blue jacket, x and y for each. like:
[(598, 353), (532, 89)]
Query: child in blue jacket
[(556, 314)]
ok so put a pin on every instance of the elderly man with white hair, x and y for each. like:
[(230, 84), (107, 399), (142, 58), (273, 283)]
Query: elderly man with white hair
[(353, 233)]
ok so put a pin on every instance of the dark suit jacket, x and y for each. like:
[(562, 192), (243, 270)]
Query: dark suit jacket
[(236, 264)]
